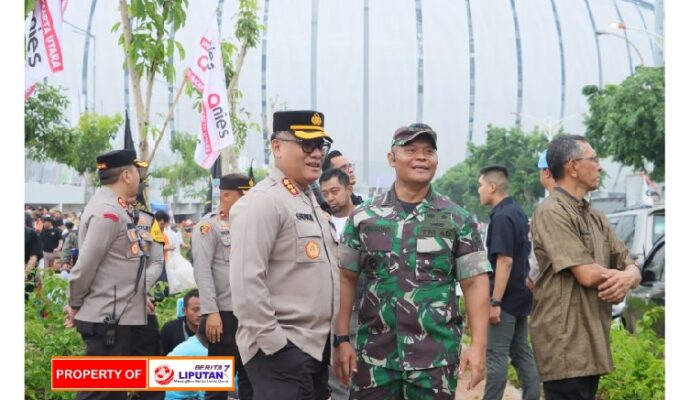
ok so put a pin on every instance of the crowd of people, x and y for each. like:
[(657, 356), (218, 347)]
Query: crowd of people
[(297, 277)]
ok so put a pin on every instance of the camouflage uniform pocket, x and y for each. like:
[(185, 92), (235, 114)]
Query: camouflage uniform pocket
[(433, 259)]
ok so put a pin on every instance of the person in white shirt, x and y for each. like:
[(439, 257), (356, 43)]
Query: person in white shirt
[(337, 191)]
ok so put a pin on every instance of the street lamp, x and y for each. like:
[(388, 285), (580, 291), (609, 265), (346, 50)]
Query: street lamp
[(636, 50), (549, 125), (77, 29), (657, 38)]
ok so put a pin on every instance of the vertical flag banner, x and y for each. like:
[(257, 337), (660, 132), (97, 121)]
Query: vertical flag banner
[(207, 75), (44, 54)]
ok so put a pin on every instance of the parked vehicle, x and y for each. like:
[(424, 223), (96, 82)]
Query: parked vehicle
[(639, 228), (651, 292)]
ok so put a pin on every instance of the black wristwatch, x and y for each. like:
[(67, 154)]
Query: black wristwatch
[(495, 302), (338, 339)]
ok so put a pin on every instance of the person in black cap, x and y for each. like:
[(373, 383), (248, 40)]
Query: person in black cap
[(211, 245), (284, 275), (109, 282)]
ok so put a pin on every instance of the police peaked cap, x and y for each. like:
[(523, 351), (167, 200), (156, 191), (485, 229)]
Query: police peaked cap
[(119, 158), (236, 182), (302, 124)]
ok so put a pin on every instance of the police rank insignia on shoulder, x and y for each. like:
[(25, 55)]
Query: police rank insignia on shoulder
[(312, 249), (121, 202), (290, 186), (111, 216), (204, 229)]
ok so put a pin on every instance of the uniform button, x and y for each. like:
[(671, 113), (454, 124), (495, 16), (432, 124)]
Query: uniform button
[(372, 262)]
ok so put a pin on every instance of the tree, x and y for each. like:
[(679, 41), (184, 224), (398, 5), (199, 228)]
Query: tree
[(146, 43), (511, 148), (48, 135), (186, 173), (626, 121)]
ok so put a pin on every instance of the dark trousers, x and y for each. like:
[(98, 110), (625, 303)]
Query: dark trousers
[(94, 343), (131, 340), (509, 339), (227, 347), (289, 374), (582, 388), (146, 342)]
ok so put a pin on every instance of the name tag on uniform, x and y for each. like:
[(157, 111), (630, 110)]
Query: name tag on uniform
[(424, 231), (381, 229), (436, 219), (305, 217)]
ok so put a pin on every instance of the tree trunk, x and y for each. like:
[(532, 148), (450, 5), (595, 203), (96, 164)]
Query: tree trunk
[(141, 116), (229, 158)]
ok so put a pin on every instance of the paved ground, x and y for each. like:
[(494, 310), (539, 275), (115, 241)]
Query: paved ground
[(511, 393)]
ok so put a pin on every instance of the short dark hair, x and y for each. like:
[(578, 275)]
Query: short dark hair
[(327, 161), (110, 176), (560, 151), (494, 168), (496, 174), (327, 175), (69, 225), (162, 216), (190, 294)]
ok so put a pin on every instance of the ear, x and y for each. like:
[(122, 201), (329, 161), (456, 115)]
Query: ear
[(350, 188), (276, 146), (391, 158)]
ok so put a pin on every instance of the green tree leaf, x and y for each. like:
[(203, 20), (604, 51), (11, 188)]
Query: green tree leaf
[(626, 121)]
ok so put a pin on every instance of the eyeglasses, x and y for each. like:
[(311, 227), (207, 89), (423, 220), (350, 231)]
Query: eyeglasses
[(308, 146), (347, 166), (595, 159)]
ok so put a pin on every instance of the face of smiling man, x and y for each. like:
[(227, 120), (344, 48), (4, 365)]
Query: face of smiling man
[(301, 167), (415, 162)]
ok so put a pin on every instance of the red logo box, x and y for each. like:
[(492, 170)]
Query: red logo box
[(103, 373)]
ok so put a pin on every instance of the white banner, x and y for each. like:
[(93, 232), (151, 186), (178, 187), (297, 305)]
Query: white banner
[(207, 75), (44, 49)]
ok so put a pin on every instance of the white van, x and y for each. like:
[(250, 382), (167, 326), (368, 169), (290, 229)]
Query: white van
[(639, 228)]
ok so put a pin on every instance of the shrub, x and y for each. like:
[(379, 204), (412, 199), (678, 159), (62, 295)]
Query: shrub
[(638, 361), (45, 336)]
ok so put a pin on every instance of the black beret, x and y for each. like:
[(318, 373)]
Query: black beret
[(119, 158), (236, 182), (305, 124)]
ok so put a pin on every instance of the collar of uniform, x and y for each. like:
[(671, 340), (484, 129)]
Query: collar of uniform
[(278, 175), (390, 199), (561, 193), (501, 204), (108, 192)]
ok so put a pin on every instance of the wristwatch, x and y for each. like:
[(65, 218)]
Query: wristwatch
[(338, 339), (495, 302)]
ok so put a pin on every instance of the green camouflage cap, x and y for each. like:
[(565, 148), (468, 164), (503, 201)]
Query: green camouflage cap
[(405, 134)]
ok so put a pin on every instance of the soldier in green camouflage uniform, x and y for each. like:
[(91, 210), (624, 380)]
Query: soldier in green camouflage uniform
[(414, 245)]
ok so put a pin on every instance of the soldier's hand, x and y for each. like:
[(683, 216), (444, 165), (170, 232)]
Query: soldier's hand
[(214, 327), (495, 315), (70, 314), (616, 285), (474, 358), (344, 363)]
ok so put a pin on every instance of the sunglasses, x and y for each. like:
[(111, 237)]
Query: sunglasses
[(308, 146)]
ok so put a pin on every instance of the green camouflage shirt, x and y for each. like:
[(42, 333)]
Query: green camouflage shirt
[(409, 317)]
